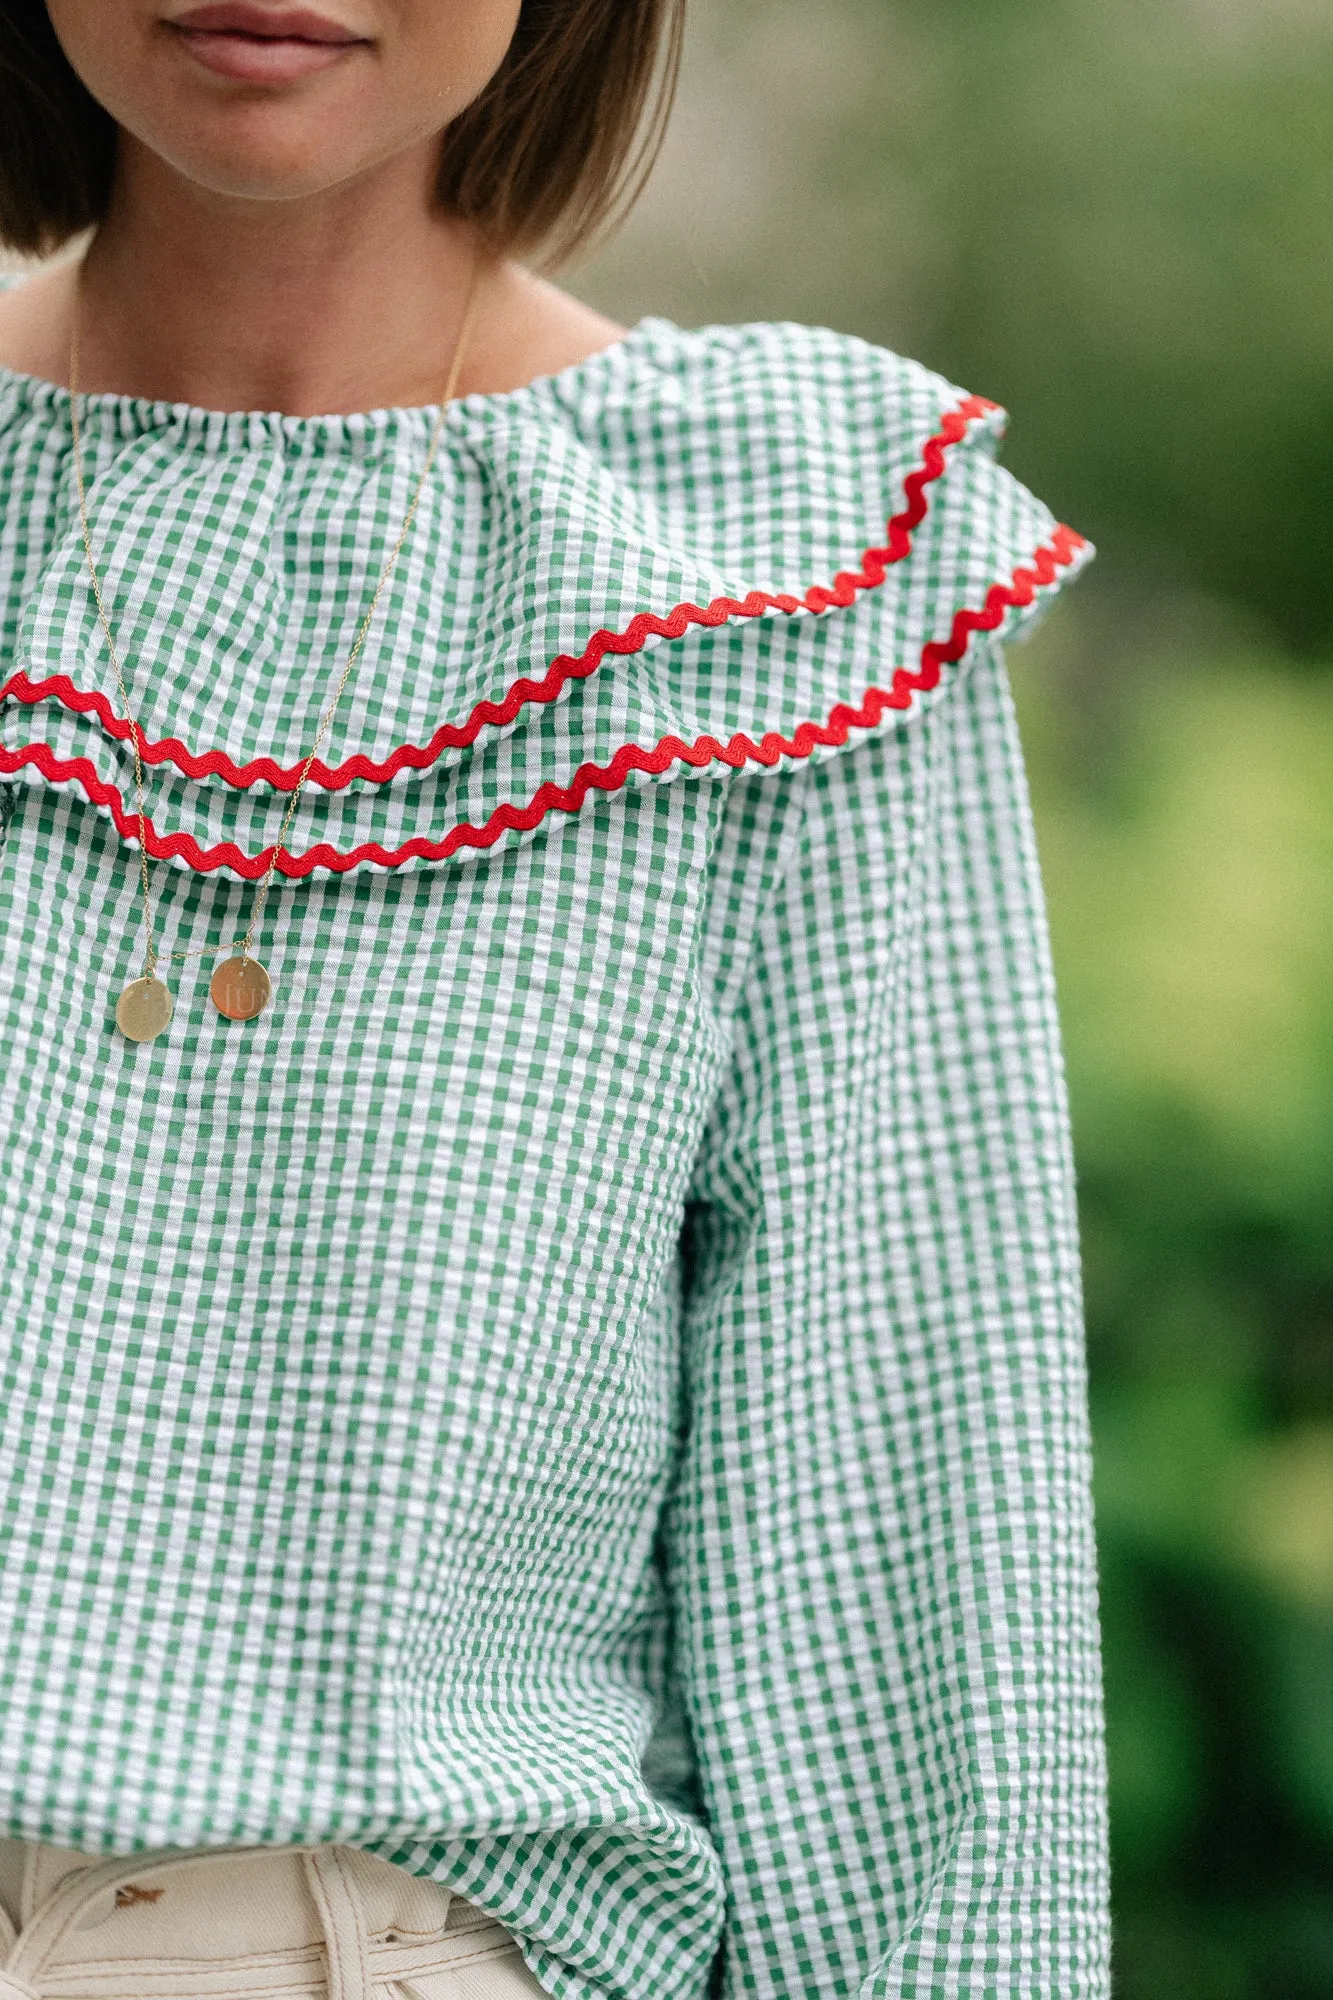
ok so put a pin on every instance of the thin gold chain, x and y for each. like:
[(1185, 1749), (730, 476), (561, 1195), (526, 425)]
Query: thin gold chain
[(152, 958)]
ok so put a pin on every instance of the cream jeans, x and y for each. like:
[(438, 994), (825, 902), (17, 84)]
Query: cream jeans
[(276, 1923)]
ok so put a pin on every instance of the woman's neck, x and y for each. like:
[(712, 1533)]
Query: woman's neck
[(276, 305), (348, 300)]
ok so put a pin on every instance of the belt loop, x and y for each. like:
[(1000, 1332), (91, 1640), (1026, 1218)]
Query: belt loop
[(32, 1861), (341, 1912)]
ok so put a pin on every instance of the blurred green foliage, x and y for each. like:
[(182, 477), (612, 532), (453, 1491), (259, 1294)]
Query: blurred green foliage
[(1116, 216), (1188, 841), (1137, 197)]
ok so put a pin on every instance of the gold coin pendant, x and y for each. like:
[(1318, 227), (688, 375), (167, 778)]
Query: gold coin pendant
[(240, 989), (143, 1010)]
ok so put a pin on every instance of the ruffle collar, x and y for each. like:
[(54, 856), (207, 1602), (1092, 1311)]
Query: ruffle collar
[(696, 552)]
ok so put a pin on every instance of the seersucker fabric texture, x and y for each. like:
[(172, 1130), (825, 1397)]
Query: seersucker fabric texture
[(584, 1397)]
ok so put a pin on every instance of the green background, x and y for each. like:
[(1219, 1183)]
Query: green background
[(1117, 218)]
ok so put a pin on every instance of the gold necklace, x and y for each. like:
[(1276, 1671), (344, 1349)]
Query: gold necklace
[(240, 987)]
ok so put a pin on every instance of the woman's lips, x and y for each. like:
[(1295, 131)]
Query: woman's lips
[(266, 46)]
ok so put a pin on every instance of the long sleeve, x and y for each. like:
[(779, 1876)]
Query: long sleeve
[(879, 1547)]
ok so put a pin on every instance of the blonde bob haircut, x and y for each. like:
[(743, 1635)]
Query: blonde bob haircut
[(552, 154)]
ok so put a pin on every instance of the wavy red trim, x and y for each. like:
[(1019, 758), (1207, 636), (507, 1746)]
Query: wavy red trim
[(1064, 547), (875, 563)]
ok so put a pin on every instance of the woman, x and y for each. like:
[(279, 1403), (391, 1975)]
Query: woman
[(543, 1431)]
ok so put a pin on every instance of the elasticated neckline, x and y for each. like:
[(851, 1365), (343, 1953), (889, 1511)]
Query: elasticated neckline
[(230, 430)]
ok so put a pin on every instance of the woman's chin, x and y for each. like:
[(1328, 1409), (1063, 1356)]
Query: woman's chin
[(272, 139), (257, 152)]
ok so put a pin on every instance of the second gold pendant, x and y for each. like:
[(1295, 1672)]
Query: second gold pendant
[(240, 988)]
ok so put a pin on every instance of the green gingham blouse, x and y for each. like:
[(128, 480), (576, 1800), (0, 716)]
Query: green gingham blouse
[(584, 1396)]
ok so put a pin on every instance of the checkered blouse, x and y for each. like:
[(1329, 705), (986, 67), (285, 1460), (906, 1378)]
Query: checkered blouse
[(583, 1397)]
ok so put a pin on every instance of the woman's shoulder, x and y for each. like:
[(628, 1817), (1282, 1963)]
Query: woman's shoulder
[(34, 319), (807, 382), (777, 368), (807, 393), (805, 467), (783, 449)]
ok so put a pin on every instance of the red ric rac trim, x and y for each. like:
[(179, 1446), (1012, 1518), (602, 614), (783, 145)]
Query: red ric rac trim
[(564, 668), (1064, 547)]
